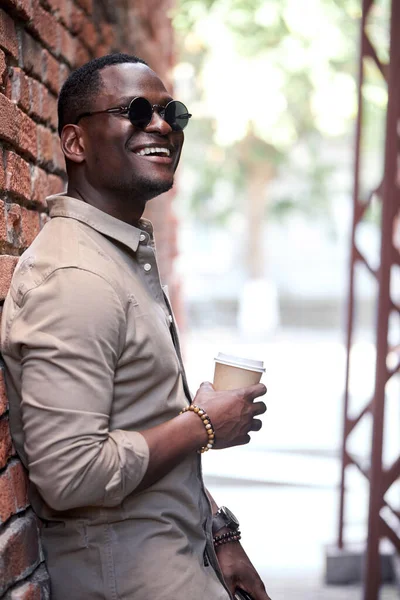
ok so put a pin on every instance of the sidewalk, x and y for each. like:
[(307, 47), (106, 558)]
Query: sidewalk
[(283, 486), (304, 589)]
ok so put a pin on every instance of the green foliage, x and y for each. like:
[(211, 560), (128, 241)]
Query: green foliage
[(303, 55)]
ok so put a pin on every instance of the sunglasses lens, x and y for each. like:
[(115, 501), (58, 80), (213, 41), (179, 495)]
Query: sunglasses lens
[(140, 112), (176, 115)]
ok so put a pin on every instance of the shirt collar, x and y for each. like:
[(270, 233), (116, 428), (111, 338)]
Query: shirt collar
[(61, 205)]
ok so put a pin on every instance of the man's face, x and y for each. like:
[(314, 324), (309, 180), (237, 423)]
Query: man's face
[(113, 157)]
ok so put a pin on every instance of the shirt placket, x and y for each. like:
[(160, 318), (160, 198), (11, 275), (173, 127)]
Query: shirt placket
[(147, 261)]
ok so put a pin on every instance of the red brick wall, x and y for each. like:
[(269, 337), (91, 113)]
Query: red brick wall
[(40, 41)]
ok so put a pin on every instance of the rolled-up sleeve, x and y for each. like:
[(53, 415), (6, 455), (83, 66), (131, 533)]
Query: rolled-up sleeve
[(70, 331)]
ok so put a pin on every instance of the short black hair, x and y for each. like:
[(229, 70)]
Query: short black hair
[(83, 84)]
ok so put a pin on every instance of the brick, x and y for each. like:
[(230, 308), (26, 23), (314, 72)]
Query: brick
[(23, 8), (27, 134), (46, 26), (88, 34), (82, 54), (52, 5), (101, 50), (36, 98), (19, 478), (36, 587), (20, 88), (64, 11), (58, 156), (69, 47), (87, 5), (13, 491), (6, 448), (3, 394), (17, 128), (7, 498), (13, 216), (3, 242), (30, 226), (8, 124), (31, 55), (108, 34), (56, 184), (76, 19), (13, 219), (64, 71), (50, 74), (45, 144), (2, 171), (40, 187), (19, 549), (7, 266), (49, 106), (18, 176), (8, 34), (3, 68), (26, 591)]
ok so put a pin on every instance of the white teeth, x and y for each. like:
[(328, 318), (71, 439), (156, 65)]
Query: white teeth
[(146, 151)]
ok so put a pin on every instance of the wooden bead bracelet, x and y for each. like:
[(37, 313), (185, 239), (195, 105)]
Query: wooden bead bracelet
[(207, 424), (225, 538)]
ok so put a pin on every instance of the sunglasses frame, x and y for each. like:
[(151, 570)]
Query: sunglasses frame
[(125, 110)]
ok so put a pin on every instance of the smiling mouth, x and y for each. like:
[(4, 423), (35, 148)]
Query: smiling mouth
[(157, 151)]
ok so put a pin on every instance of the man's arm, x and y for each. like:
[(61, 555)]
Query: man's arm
[(236, 567), (68, 334), (70, 331)]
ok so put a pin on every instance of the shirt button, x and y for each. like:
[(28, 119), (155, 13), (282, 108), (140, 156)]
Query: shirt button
[(147, 267), (142, 237), (170, 318)]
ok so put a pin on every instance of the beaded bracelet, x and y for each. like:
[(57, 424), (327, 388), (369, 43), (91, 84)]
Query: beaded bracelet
[(207, 424), (225, 538)]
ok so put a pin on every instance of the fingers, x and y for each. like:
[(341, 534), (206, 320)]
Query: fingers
[(254, 391), (259, 408), (256, 425)]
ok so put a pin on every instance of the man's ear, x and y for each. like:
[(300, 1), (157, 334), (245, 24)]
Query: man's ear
[(72, 143)]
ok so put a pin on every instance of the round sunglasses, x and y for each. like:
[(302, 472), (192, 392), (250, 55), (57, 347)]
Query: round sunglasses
[(140, 112)]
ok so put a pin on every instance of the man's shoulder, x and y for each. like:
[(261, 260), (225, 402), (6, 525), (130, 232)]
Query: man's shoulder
[(63, 243)]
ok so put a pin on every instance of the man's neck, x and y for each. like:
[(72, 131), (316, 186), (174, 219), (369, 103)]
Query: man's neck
[(120, 208)]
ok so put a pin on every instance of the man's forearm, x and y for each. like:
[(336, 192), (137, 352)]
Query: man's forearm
[(169, 443), (214, 505)]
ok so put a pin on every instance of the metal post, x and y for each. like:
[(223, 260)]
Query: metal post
[(391, 203), (379, 479), (353, 259)]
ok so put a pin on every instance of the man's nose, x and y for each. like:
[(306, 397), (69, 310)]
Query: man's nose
[(158, 125)]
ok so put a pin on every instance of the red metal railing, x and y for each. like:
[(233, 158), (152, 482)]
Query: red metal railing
[(379, 478)]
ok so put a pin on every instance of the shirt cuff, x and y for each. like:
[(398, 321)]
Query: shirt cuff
[(134, 455)]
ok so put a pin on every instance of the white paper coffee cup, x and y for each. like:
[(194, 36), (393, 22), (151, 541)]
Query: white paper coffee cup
[(232, 372)]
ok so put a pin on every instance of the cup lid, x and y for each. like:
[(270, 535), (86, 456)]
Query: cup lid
[(240, 363)]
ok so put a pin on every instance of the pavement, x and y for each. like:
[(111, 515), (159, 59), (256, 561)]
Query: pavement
[(283, 486)]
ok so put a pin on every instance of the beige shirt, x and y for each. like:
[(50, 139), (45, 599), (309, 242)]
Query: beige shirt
[(92, 358)]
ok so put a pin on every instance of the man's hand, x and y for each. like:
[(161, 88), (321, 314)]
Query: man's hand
[(232, 413), (239, 572)]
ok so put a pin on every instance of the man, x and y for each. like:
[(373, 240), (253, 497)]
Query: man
[(94, 372)]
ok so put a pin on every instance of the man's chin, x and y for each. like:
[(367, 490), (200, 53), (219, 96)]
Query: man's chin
[(152, 188)]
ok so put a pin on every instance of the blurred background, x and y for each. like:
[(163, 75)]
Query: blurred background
[(280, 242), (265, 205)]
